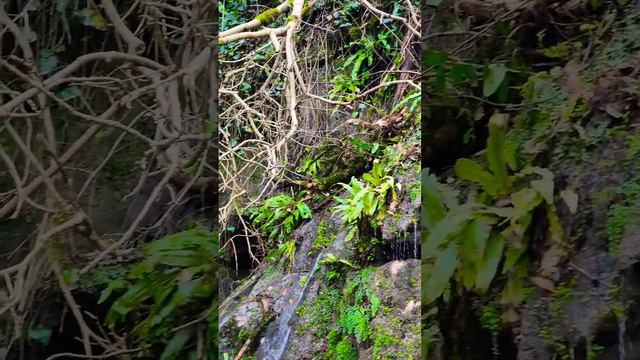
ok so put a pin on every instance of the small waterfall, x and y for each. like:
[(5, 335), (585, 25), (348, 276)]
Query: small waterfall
[(276, 343), (622, 329), (405, 247)]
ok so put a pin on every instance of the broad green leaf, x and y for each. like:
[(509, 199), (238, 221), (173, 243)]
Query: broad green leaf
[(433, 209), (492, 256), (434, 57), (493, 77), (496, 144), (513, 254), (449, 226), (514, 290), (68, 93), (510, 155), (176, 344), (113, 285), (524, 201), (41, 335), (442, 271), (470, 170), (46, 64), (474, 237), (460, 72), (368, 177)]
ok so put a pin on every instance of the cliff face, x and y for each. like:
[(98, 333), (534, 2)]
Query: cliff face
[(328, 304)]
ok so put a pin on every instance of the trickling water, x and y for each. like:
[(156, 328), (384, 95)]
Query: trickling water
[(415, 241), (276, 343), (405, 246), (622, 328)]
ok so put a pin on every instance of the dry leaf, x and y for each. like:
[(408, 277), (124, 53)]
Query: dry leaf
[(510, 316), (265, 305), (613, 109), (550, 259), (571, 199), (543, 283)]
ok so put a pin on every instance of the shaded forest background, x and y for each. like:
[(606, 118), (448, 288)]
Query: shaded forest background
[(107, 179)]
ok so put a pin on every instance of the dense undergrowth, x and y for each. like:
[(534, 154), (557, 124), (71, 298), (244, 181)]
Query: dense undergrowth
[(349, 127)]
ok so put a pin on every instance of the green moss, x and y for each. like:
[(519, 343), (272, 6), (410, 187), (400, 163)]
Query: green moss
[(545, 334), (616, 223), (321, 313), (490, 319), (322, 241), (268, 16), (562, 295), (345, 350), (633, 147), (382, 339), (620, 216), (604, 195), (593, 350)]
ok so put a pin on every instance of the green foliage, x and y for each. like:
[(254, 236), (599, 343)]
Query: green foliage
[(330, 259), (367, 200), (620, 216), (322, 241), (175, 280), (309, 166), (358, 307), (356, 67), (232, 13), (41, 335), (493, 76), (287, 250), (490, 319), (562, 296), (593, 350), (321, 313), (469, 241), (279, 215), (382, 339)]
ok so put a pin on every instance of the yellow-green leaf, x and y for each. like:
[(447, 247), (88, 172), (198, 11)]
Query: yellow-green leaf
[(493, 77), (433, 209), (492, 256), (470, 170), (443, 270)]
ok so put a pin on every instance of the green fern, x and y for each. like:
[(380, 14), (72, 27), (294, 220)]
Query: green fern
[(176, 280), (279, 215), (469, 241)]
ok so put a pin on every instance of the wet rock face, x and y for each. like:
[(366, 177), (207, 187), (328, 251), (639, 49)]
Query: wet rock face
[(284, 312), (598, 278), (394, 332), (396, 328)]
